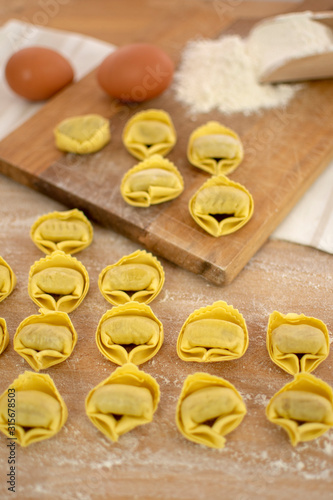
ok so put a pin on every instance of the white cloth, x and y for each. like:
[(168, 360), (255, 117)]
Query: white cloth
[(309, 223)]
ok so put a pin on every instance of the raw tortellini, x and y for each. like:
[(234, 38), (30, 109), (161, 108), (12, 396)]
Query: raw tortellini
[(7, 279), (4, 336), (45, 339), (214, 333), (149, 132), (126, 399), (58, 282), (221, 206), (215, 149), (208, 408), (153, 181), (296, 342), (82, 134), (303, 408), (136, 277), (35, 405), (129, 333), (69, 231)]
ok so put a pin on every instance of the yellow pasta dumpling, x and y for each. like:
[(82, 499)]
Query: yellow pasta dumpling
[(297, 343), (214, 333), (4, 336), (208, 408), (221, 206), (153, 181), (7, 279), (58, 282), (149, 132), (303, 408), (82, 134), (129, 333), (36, 406), (136, 277), (69, 231), (45, 339), (126, 399), (215, 149)]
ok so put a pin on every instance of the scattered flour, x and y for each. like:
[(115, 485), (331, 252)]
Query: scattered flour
[(223, 74), (220, 74)]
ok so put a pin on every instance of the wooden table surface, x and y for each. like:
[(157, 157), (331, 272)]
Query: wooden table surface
[(155, 461)]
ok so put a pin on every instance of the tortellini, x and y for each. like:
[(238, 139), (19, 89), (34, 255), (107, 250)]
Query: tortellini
[(208, 408), (153, 181), (7, 279), (129, 333), (215, 149), (221, 206), (149, 132), (136, 277), (82, 134), (36, 406), (303, 408), (69, 231), (296, 342), (45, 339), (214, 333), (4, 336), (126, 399), (58, 282)]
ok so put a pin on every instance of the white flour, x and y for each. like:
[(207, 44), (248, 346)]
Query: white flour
[(223, 74)]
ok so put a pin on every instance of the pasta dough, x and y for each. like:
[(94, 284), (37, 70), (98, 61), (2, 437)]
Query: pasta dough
[(214, 333), (208, 408), (69, 231), (153, 181), (215, 149), (58, 282), (129, 333), (149, 132), (82, 134), (303, 408), (7, 279), (45, 339), (39, 410), (136, 277), (126, 399), (296, 342), (221, 206), (4, 336)]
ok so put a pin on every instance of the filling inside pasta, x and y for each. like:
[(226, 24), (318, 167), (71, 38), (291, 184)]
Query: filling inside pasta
[(214, 333), (216, 146), (60, 230), (298, 339), (130, 329), (149, 132), (44, 336), (205, 405), (122, 399), (303, 406)]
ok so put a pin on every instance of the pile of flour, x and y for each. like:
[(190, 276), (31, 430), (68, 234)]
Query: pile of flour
[(224, 74)]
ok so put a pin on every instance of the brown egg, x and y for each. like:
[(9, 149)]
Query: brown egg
[(136, 72), (37, 73)]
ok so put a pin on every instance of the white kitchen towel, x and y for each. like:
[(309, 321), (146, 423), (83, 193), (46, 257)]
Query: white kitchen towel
[(309, 223), (83, 52)]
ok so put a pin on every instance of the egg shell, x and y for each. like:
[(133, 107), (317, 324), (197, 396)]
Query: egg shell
[(37, 73), (135, 72)]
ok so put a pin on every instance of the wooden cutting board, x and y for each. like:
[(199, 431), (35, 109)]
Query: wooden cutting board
[(285, 151)]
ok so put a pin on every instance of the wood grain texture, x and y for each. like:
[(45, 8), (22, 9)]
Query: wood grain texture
[(154, 462), (285, 150)]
